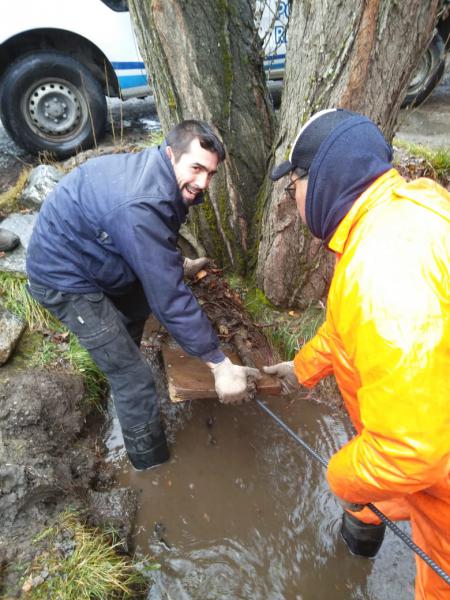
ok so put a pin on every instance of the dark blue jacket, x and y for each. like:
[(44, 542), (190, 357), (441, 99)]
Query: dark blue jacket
[(115, 220)]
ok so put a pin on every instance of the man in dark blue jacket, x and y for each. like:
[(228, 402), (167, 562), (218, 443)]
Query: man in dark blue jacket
[(103, 255)]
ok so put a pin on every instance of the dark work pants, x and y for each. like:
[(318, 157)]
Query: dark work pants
[(110, 328)]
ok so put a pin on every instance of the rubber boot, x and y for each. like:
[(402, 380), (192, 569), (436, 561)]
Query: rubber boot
[(362, 539), (146, 445), (8, 240)]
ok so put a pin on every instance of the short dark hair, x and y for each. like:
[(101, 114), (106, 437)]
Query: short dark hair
[(180, 137)]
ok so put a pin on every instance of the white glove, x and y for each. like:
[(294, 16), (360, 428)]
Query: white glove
[(234, 384), (285, 373), (192, 266)]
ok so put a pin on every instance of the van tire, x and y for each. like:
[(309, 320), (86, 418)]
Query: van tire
[(50, 102), (427, 74)]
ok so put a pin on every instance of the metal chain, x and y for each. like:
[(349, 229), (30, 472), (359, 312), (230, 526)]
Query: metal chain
[(398, 532)]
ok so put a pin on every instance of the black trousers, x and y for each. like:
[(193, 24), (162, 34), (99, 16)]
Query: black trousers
[(110, 328)]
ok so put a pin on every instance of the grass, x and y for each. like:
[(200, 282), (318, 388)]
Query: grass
[(435, 162), (94, 381), (8, 200), (82, 563), (155, 138), (18, 301), (286, 330), (47, 343)]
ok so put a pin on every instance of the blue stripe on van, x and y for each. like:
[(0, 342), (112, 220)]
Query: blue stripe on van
[(130, 81), (274, 57), (128, 65)]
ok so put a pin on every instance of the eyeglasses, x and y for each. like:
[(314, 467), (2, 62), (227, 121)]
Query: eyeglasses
[(290, 189)]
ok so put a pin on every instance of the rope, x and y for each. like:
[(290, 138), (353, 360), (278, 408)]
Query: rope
[(398, 532)]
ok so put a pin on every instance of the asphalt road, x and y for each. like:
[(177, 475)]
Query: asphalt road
[(429, 123)]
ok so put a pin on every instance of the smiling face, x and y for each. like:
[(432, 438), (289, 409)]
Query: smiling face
[(194, 169)]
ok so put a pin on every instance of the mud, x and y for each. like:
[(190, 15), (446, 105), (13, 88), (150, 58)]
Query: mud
[(50, 459)]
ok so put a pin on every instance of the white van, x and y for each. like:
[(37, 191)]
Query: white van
[(58, 61)]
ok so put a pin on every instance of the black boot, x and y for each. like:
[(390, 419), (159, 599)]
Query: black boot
[(146, 445), (361, 538), (8, 240)]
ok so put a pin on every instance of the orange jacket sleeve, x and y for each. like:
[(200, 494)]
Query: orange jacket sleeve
[(313, 361)]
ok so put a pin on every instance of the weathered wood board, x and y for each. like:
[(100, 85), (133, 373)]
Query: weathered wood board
[(189, 378)]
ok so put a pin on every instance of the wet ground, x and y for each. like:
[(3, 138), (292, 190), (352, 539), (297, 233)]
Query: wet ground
[(429, 123), (242, 512), (129, 122)]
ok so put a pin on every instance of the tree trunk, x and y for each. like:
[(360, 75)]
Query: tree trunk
[(205, 62), (354, 54)]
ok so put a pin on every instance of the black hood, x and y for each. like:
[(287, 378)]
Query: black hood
[(348, 161)]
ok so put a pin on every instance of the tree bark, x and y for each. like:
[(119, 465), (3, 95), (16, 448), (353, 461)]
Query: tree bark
[(354, 54), (205, 62)]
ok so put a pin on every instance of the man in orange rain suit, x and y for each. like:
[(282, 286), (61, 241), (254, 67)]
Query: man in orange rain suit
[(386, 337)]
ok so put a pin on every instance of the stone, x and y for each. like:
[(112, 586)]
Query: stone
[(114, 509), (22, 225), (11, 328), (41, 182)]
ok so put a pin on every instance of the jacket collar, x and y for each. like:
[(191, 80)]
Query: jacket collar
[(363, 204)]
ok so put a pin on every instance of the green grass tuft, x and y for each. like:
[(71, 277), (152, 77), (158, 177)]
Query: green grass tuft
[(18, 301), (95, 382), (9, 199), (82, 563), (47, 342), (436, 162)]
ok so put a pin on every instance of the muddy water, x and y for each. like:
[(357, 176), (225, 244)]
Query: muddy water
[(241, 512)]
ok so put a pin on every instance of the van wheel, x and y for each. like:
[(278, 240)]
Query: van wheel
[(427, 74), (51, 102)]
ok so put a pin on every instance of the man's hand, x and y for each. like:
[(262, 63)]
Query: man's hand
[(192, 266), (285, 373), (234, 384)]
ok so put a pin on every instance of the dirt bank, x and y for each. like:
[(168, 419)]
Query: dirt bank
[(50, 459)]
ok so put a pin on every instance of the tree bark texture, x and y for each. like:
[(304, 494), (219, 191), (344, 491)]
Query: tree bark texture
[(205, 62), (354, 54)]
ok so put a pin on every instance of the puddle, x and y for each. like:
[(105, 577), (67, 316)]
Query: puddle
[(242, 512)]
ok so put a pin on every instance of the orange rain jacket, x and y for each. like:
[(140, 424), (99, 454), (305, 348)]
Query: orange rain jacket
[(386, 338)]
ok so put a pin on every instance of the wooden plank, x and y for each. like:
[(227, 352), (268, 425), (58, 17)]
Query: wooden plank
[(189, 378)]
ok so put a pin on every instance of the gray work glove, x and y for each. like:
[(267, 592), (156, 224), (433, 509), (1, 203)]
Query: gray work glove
[(234, 384), (192, 266), (285, 373)]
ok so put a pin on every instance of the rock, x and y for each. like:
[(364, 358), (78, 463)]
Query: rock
[(22, 225), (41, 182), (11, 328), (114, 509)]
